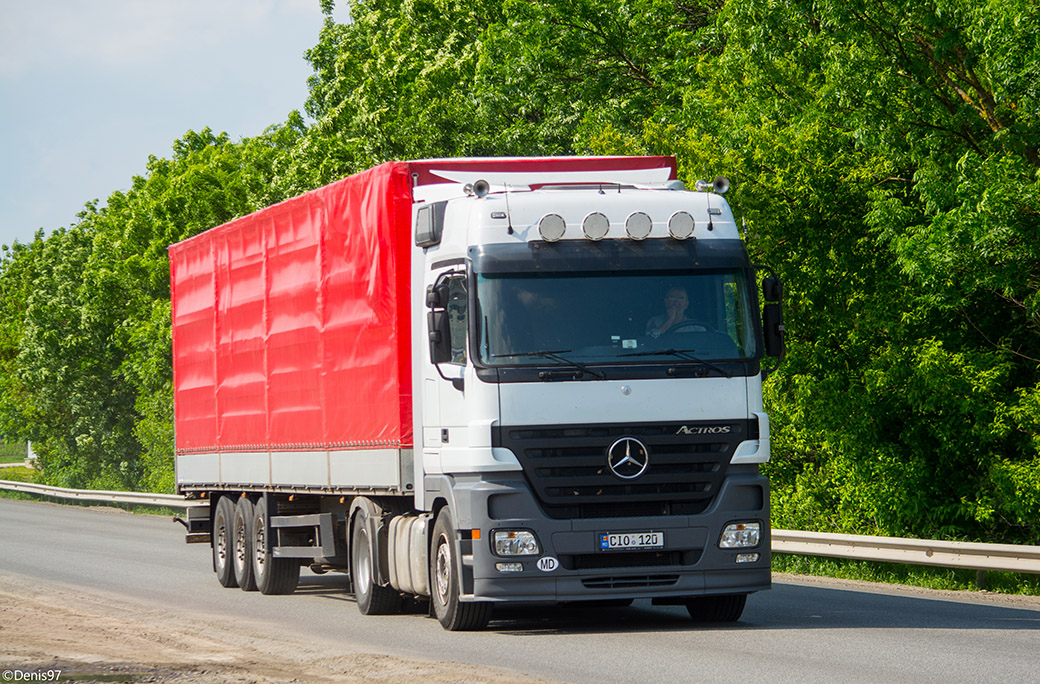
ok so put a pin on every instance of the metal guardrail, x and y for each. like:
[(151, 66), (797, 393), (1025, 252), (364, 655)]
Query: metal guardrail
[(946, 554), (144, 498)]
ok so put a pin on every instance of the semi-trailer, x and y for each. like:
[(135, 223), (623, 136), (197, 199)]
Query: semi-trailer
[(477, 381)]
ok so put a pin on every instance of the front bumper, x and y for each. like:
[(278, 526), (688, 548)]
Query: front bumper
[(689, 563)]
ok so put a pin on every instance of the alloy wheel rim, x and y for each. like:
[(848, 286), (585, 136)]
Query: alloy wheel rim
[(261, 546), (443, 570), (364, 575), (222, 544), (240, 544)]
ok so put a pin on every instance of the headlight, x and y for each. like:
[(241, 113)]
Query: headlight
[(741, 535), (515, 543)]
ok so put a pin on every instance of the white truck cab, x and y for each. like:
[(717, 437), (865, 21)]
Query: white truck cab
[(602, 448)]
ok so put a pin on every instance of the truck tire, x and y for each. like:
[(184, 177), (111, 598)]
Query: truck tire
[(372, 599), (242, 544), (727, 608), (223, 546), (453, 614), (272, 575)]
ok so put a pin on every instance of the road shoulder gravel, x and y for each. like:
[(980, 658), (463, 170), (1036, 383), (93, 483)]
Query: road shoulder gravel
[(45, 627)]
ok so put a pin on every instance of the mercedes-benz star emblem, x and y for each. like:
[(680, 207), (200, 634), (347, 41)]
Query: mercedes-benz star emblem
[(628, 458)]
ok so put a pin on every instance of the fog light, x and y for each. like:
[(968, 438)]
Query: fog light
[(741, 558), (515, 543), (513, 567), (740, 535)]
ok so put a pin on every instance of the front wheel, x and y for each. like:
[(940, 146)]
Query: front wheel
[(453, 614), (727, 608)]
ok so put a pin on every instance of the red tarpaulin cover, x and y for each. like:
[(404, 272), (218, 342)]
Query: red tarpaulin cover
[(291, 326), (288, 334)]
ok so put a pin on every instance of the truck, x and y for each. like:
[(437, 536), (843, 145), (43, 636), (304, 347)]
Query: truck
[(477, 381)]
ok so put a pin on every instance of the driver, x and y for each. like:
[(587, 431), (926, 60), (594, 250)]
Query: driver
[(675, 304)]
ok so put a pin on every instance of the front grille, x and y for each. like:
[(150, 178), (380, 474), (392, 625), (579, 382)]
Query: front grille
[(567, 467), (600, 561), (624, 582), (623, 509)]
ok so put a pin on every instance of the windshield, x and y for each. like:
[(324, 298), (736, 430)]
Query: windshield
[(614, 317)]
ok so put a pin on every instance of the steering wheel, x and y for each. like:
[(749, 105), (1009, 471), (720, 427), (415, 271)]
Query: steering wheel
[(689, 327)]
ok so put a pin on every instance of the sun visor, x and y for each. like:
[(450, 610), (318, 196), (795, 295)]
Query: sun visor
[(608, 255)]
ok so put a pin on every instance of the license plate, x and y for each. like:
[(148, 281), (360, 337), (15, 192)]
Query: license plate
[(631, 540)]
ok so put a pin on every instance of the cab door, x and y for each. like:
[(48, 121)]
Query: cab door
[(444, 397)]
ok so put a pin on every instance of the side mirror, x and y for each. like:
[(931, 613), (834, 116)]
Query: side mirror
[(440, 336), (773, 330), (429, 224), (773, 333), (772, 289), (437, 295)]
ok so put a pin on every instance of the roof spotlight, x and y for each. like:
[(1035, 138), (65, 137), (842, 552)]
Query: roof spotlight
[(638, 225), (595, 226), (552, 227), (680, 225)]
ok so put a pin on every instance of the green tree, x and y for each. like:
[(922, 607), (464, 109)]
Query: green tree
[(885, 159), (890, 149)]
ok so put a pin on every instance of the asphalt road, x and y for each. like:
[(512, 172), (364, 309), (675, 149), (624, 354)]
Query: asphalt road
[(797, 632)]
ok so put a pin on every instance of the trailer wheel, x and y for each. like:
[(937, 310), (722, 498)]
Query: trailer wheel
[(372, 599), (223, 518), (242, 544), (727, 608), (273, 575), (453, 614)]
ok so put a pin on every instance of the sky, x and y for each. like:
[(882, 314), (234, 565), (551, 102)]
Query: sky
[(90, 88)]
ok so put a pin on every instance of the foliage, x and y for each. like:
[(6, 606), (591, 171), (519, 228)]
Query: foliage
[(885, 159), (91, 382), (907, 393)]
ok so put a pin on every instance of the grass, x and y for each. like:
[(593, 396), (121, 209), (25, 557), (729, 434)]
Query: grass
[(948, 579), (12, 452), (19, 474)]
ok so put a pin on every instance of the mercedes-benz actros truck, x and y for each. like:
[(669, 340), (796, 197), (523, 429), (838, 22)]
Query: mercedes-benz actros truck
[(481, 381)]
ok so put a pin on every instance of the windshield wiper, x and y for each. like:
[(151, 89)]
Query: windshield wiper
[(682, 354), (555, 356)]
